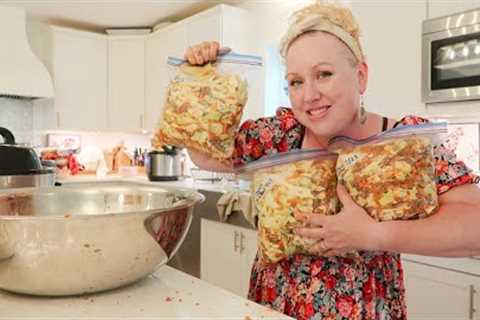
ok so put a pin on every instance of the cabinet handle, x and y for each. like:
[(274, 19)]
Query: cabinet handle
[(141, 121), (471, 312), (58, 119), (235, 241), (242, 244)]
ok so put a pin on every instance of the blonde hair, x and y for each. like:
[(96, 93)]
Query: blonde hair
[(324, 16)]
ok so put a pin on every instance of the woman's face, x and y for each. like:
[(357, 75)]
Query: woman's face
[(324, 86)]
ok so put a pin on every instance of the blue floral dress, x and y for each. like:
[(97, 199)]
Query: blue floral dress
[(310, 287)]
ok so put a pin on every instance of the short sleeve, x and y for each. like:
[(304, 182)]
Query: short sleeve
[(449, 171), (266, 136)]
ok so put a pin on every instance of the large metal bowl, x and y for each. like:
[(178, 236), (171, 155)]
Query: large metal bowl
[(87, 238)]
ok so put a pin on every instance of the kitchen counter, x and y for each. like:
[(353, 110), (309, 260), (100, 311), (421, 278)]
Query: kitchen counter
[(166, 294), (183, 183)]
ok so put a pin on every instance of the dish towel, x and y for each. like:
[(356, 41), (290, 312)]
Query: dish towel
[(234, 201)]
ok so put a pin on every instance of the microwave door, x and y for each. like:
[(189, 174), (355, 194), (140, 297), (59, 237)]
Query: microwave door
[(451, 68)]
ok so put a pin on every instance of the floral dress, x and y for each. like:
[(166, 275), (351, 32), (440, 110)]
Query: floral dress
[(340, 288)]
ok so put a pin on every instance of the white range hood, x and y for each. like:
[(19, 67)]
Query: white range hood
[(22, 74)]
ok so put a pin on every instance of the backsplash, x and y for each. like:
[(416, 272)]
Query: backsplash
[(17, 116)]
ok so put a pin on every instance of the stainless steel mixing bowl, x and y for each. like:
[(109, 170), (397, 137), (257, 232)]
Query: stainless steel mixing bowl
[(86, 238)]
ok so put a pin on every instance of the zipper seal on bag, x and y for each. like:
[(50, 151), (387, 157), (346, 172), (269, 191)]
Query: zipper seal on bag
[(284, 158), (230, 57), (402, 131)]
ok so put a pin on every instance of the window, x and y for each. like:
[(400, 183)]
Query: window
[(276, 87), (464, 139)]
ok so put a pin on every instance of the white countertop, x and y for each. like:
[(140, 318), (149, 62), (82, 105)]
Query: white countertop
[(166, 294), (184, 183)]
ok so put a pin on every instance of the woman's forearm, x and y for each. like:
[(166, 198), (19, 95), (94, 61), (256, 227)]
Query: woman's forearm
[(454, 231)]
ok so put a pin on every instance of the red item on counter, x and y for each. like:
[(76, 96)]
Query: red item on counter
[(72, 164)]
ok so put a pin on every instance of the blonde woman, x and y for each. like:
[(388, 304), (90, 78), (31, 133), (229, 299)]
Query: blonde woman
[(327, 76)]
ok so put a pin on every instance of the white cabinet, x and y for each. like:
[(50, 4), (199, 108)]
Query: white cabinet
[(170, 41), (393, 55), (437, 293), (126, 82), (227, 25), (79, 61), (227, 254), (439, 8)]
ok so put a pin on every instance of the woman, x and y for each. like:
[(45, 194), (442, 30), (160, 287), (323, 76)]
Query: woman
[(327, 76)]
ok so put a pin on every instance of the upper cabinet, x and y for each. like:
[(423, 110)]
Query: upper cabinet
[(126, 82), (227, 25), (79, 61), (439, 8)]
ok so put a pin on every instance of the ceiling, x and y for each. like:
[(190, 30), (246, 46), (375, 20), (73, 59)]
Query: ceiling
[(97, 15)]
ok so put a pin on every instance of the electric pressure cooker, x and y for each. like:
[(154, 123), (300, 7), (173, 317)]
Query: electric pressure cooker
[(164, 165), (20, 166)]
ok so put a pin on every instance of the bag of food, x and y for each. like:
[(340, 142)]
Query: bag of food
[(391, 175), (283, 184), (204, 104)]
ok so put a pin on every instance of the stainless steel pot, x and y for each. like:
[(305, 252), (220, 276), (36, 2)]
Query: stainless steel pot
[(164, 165), (86, 238)]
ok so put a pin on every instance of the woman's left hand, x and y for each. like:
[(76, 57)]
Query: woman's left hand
[(352, 228)]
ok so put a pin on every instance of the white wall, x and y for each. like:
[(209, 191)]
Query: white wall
[(392, 42)]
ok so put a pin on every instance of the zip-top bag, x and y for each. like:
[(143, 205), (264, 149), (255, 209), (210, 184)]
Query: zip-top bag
[(204, 104), (392, 174), (301, 181)]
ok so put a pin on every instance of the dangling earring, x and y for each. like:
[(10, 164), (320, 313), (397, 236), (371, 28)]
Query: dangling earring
[(362, 113)]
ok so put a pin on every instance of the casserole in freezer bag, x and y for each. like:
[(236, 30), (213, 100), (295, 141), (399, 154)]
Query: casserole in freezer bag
[(392, 174), (204, 104), (300, 181)]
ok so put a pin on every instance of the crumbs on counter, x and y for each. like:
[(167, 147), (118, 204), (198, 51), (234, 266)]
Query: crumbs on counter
[(86, 245), (97, 250), (179, 299), (197, 304), (168, 299), (67, 215), (247, 318)]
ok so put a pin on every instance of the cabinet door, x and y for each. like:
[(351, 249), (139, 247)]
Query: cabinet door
[(161, 44), (435, 293), (126, 83), (221, 262), (80, 78), (438, 8), (204, 27), (248, 247)]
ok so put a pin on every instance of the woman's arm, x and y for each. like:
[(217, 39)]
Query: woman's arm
[(454, 231), (205, 162)]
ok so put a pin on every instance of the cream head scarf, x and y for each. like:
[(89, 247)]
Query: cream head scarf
[(330, 18)]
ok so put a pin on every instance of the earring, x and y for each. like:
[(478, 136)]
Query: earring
[(362, 113)]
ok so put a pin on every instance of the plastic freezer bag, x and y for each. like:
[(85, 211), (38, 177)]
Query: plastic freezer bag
[(286, 183), (391, 175), (204, 104)]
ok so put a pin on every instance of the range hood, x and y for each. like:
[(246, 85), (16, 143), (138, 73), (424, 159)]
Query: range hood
[(22, 74)]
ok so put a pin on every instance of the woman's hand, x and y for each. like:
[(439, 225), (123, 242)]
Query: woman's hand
[(203, 53), (352, 228)]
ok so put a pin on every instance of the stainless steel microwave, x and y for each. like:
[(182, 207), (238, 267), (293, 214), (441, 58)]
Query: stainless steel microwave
[(451, 58)]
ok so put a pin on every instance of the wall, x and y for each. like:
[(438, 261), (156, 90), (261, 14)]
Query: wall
[(17, 116), (391, 45)]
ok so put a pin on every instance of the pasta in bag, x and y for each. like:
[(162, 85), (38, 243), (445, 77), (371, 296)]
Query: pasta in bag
[(391, 175), (299, 181), (204, 104)]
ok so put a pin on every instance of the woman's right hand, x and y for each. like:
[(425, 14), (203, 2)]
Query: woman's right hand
[(202, 53)]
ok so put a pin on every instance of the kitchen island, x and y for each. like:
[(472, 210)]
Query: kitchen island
[(166, 294)]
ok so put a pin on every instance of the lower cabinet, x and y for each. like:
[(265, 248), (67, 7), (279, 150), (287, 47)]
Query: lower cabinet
[(436, 293), (227, 254)]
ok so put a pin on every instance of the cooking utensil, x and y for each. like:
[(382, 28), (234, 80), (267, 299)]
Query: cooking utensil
[(21, 166), (89, 237), (164, 165)]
